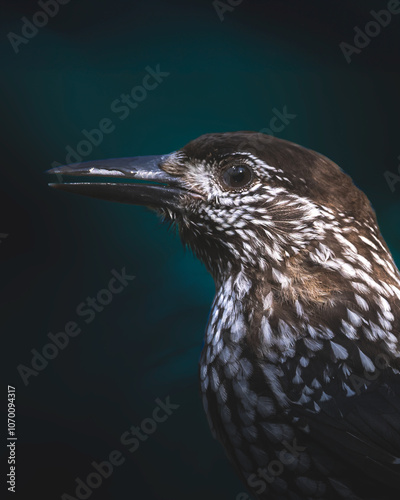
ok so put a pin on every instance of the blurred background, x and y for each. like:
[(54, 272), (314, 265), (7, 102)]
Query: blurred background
[(224, 66)]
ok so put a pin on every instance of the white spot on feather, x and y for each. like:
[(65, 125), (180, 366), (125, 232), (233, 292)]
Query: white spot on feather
[(366, 362), (238, 329), (339, 351)]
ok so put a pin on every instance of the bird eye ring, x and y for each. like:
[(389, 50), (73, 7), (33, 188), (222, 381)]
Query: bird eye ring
[(236, 176)]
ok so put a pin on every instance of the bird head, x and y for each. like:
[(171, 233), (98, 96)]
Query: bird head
[(241, 200)]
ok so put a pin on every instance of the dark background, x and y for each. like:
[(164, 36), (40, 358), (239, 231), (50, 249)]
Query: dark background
[(224, 76)]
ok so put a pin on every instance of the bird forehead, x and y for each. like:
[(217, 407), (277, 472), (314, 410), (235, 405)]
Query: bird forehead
[(229, 142)]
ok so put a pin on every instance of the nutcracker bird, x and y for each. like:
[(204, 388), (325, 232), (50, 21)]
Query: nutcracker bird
[(299, 372)]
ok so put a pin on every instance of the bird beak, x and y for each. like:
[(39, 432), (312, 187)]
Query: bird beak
[(165, 194)]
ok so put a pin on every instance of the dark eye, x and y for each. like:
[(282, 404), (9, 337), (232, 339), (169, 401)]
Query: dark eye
[(237, 176)]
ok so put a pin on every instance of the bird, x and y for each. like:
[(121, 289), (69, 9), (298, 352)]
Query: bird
[(300, 369)]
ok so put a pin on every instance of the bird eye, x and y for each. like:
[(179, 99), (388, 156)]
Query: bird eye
[(237, 176)]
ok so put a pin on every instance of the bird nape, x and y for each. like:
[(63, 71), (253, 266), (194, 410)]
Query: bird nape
[(299, 373)]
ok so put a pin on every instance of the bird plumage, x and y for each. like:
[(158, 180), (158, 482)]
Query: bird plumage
[(299, 373)]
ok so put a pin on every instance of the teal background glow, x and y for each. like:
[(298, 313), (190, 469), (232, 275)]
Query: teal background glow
[(60, 249)]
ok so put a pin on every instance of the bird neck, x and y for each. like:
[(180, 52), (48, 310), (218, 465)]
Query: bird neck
[(314, 299)]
